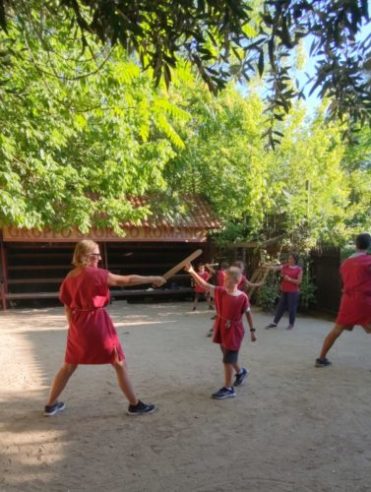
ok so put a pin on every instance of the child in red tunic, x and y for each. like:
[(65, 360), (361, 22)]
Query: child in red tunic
[(92, 338), (355, 305), (198, 289), (245, 283), (231, 304)]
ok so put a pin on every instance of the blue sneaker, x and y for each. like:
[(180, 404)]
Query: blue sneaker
[(240, 378), (50, 410), (141, 408), (322, 362), (224, 393)]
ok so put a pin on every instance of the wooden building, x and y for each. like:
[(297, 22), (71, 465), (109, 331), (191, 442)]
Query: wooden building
[(34, 262)]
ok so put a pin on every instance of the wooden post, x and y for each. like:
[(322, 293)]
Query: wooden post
[(4, 274), (105, 256)]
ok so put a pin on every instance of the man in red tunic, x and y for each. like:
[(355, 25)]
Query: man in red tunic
[(231, 304), (355, 305)]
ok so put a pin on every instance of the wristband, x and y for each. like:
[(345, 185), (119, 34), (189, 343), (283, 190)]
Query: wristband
[(252, 330)]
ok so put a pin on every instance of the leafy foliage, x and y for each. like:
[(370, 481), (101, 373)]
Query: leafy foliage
[(269, 293), (74, 149), (84, 131), (224, 40)]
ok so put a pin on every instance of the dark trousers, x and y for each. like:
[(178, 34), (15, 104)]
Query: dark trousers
[(288, 301)]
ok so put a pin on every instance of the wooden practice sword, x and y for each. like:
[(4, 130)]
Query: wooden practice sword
[(170, 273)]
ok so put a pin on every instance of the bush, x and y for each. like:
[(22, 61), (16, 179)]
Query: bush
[(269, 293), (307, 291)]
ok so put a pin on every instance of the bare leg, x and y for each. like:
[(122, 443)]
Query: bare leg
[(124, 381), (60, 381), (367, 328), (331, 339), (236, 367), (209, 300), (228, 375), (195, 301)]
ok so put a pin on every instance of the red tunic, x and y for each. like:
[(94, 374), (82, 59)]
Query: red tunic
[(242, 284), (92, 338), (228, 326), (355, 305), (198, 288), (220, 276), (293, 272)]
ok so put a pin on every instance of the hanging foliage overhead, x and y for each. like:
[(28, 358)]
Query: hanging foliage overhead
[(226, 39)]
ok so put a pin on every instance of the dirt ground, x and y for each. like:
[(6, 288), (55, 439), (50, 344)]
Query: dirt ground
[(291, 428)]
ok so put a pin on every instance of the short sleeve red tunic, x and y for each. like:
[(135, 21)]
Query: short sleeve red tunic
[(220, 276), (355, 305), (92, 338), (242, 284), (293, 272), (228, 326), (198, 288)]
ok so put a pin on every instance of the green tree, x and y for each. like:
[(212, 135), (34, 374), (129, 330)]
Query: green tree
[(224, 39), (73, 149)]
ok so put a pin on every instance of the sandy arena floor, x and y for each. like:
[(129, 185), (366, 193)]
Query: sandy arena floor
[(291, 428)]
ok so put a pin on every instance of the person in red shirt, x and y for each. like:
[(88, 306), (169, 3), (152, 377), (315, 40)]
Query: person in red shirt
[(355, 304), (218, 276), (199, 291), (220, 273), (231, 304), (291, 277), (92, 338), (245, 283)]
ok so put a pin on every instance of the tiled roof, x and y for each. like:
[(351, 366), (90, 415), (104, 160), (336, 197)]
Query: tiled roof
[(199, 214)]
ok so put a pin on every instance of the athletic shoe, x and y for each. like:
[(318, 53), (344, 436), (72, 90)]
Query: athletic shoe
[(50, 410), (224, 393), (271, 325), (210, 332), (239, 378), (322, 362), (290, 327), (141, 408)]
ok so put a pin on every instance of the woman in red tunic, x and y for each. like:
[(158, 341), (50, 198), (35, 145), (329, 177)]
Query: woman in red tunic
[(92, 338), (355, 304), (291, 278), (231, 304)]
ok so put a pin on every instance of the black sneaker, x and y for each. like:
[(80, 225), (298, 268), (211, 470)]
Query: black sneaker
[(224, 393), (322, 362), (271, 325), (240, 378), (141, 408), (50, 410)]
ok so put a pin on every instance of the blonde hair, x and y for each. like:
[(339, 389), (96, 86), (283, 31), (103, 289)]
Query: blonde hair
[(234, 273), (82, 250)]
